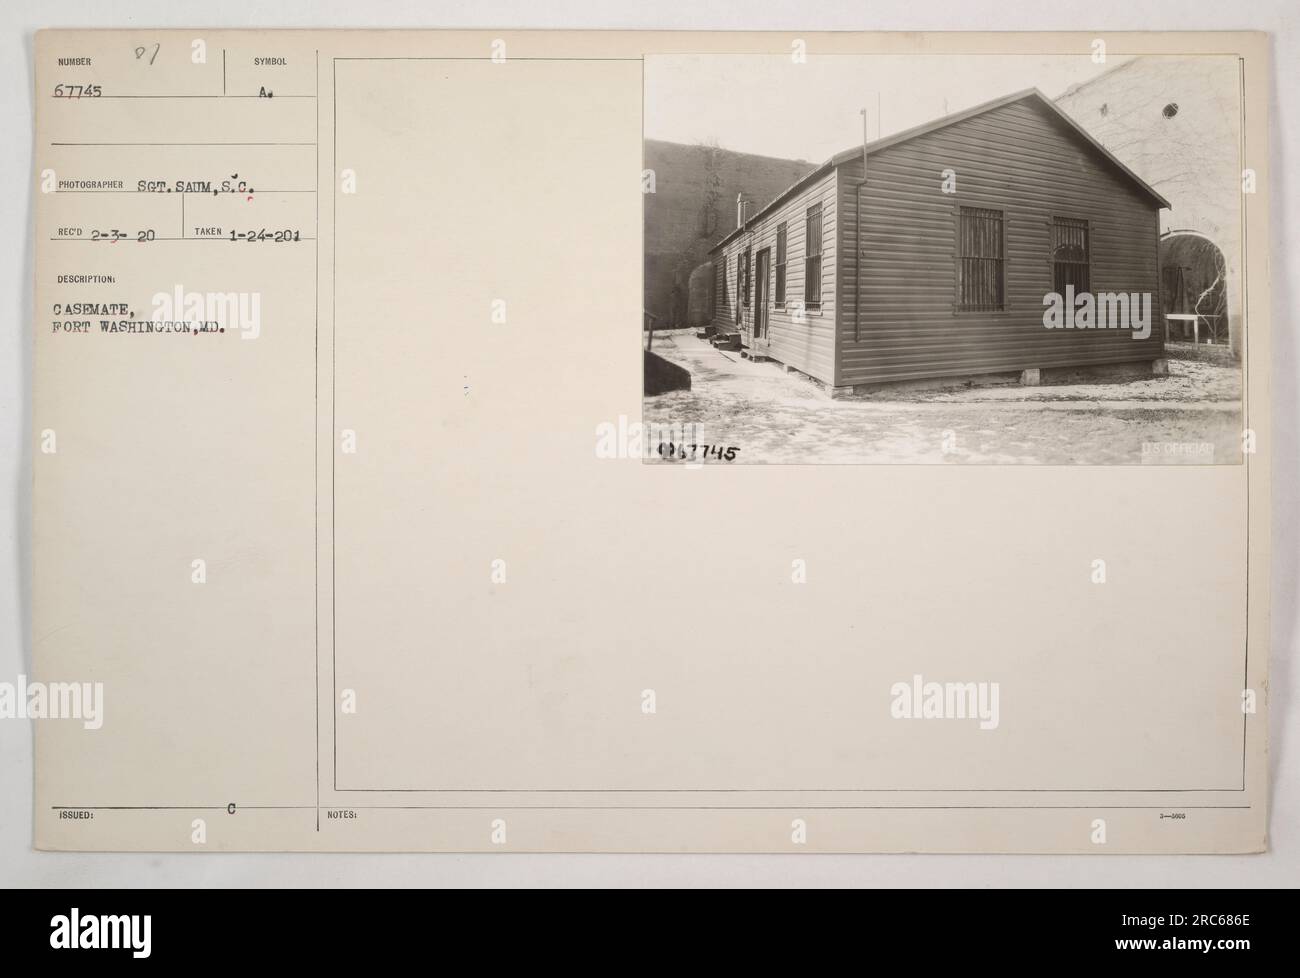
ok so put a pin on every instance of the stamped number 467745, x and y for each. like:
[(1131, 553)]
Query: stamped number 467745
[(700, 453)]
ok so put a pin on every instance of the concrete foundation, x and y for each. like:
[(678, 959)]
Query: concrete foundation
[(1029, 377)]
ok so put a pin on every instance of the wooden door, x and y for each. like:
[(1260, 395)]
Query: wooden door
[(761, 293)]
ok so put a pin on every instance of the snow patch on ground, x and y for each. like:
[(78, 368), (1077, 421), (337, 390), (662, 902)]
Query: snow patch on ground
[(1191, 417)]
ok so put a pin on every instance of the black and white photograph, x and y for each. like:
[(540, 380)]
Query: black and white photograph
[(941, 536), (944, 259)]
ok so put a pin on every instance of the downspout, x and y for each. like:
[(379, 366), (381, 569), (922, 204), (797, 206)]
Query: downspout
[(857, 227), (750, 292), (741, 279)]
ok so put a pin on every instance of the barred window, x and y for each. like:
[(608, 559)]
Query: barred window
[(1070, 255), (780, 265), (981, 271), (812, 261)]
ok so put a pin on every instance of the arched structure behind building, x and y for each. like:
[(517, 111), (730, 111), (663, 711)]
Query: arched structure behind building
[(1193, 288)]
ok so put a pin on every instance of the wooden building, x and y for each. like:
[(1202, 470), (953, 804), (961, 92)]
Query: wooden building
[(938, 263)]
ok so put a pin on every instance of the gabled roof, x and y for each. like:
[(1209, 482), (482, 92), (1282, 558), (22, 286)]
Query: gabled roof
[(839, 159)]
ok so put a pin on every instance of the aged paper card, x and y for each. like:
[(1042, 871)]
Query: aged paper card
[(650, 442)]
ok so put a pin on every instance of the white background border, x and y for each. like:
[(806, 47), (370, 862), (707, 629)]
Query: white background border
[(20, 865)]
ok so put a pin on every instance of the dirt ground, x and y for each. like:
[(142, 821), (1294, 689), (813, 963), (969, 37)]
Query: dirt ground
[(1193, 416)]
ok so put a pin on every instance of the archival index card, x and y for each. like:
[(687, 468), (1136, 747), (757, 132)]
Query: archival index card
[(558, 441)]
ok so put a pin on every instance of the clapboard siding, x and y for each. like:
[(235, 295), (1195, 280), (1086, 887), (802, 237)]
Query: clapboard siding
[(898, 318), (808, 345), (889, 282)]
